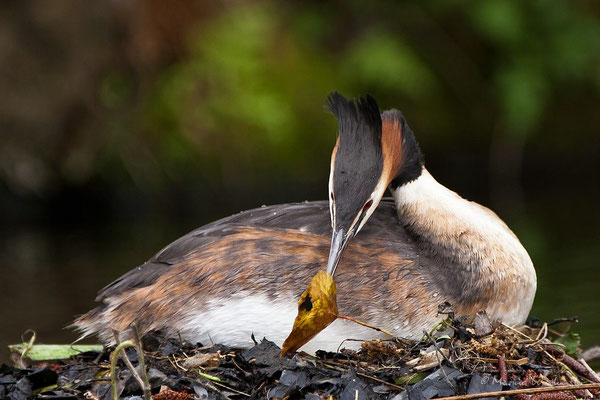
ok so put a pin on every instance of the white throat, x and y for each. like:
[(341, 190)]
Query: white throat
[(473, 240)]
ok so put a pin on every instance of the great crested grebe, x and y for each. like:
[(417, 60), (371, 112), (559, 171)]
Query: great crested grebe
[(243, 274)]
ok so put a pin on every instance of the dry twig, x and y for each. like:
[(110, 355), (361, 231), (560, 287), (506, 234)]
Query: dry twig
[(522, 391)]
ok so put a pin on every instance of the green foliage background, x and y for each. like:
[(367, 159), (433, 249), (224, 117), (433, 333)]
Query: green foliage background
[(124, 124), (255, 75)]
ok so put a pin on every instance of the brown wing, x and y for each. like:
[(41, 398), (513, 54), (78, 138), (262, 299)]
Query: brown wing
[(307, 217), (272, 251)]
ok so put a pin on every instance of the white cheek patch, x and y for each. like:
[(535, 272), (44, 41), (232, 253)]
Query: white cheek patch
[(376, 197), (331, 199)]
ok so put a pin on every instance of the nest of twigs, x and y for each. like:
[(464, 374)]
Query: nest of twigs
[(460, 359)]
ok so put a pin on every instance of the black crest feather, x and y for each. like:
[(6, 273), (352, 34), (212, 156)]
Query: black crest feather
[(359, 120), (358, 160)]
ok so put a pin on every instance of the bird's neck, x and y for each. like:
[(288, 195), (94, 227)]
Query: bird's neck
[(469, 244)]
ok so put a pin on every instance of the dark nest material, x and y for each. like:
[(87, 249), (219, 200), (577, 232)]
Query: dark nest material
[(460, 358)]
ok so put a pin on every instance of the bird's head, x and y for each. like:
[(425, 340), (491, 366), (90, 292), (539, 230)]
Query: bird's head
[(373, 150)]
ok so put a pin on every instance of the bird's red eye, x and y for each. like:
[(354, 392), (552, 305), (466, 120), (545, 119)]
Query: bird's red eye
[(368, 205)]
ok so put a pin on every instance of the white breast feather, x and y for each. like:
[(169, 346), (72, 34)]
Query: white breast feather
[(232, 321)]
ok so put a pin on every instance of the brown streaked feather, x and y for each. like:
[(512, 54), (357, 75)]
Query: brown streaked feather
[(309, 217), (269, 254), (383, 278)]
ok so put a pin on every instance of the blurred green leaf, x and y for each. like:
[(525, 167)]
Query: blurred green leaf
[(411, 379), (572, 343), (379, 59), (522, 93), (45, 352), (500, 21)]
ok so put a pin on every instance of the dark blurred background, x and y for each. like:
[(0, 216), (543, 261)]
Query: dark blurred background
[(125, 124)]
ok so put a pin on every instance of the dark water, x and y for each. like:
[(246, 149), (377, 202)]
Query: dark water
[(51, 274)]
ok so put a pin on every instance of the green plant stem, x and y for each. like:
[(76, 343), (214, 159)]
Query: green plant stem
[(113, 366)]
